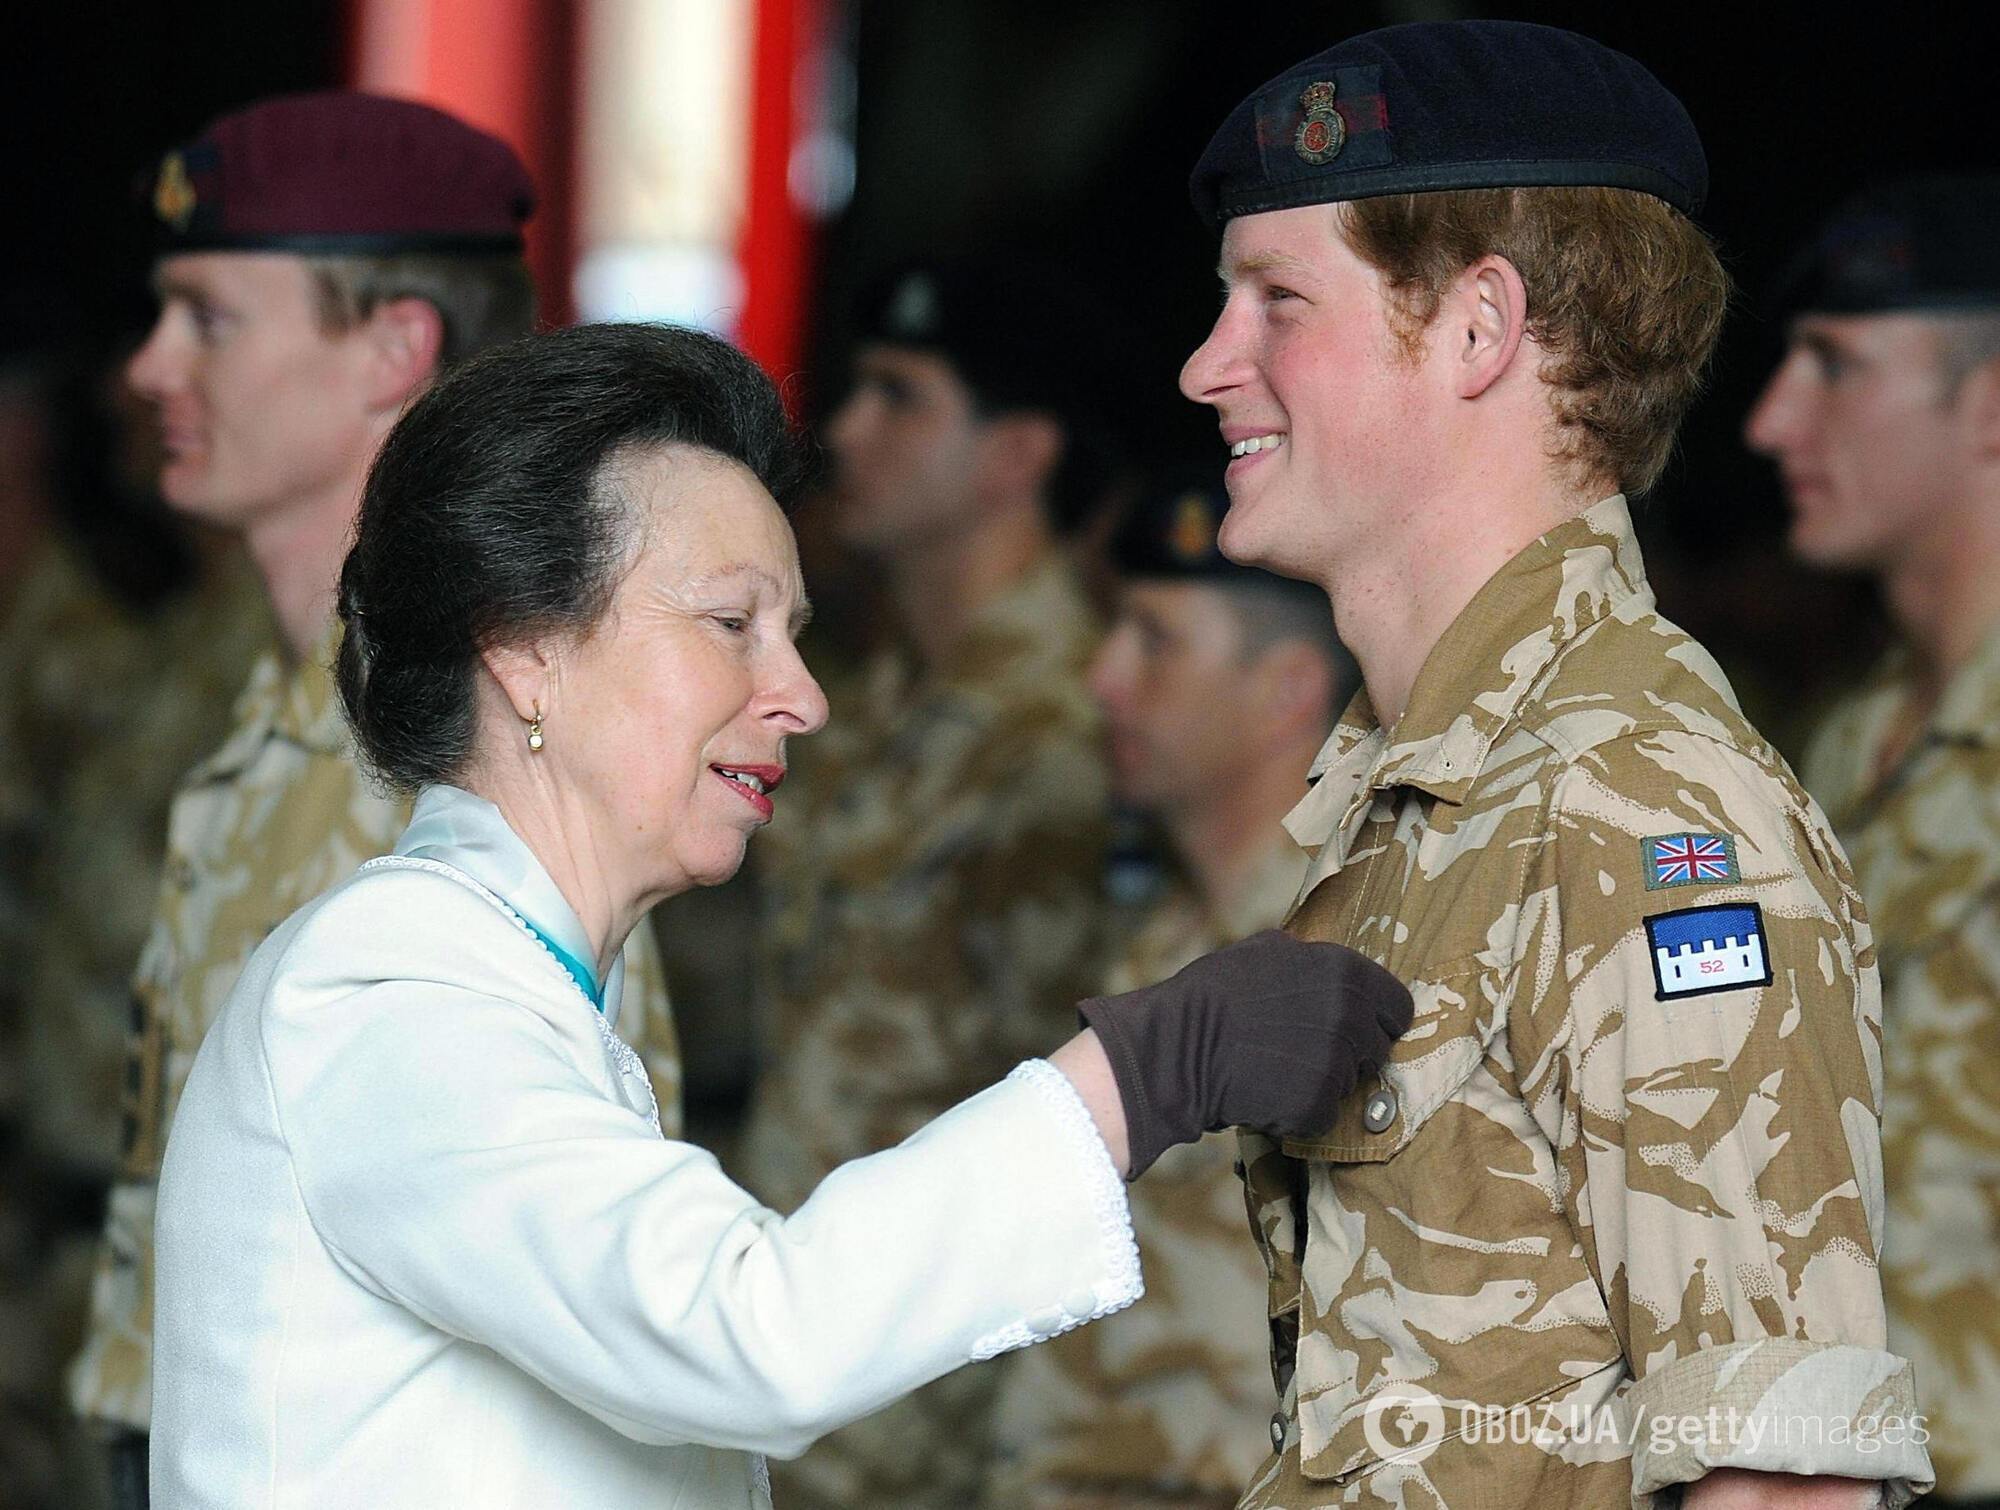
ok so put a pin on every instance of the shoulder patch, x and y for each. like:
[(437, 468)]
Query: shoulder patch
[(1702, 949), (1688, 860)]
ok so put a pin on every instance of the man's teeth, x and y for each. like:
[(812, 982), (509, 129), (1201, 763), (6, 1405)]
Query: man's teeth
[(755, 783), (1255, 444)]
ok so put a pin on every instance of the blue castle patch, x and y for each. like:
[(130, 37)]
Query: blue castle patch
[(1702, 949)]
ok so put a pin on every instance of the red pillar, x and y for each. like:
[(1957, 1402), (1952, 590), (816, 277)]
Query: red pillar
[(506, 66), (776, 247)]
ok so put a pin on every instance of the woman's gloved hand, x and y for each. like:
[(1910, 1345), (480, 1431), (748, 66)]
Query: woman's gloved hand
[(1270, 1033)]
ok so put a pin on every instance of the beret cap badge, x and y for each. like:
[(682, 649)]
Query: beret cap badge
[(1322, 133), (1193, 534), (173, 192)]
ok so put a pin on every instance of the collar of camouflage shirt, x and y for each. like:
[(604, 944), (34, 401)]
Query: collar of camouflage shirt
[(1969, 710), (1477, 676), (295, 702)]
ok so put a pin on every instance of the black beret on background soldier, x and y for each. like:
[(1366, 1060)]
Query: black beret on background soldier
[(1604, 1229), (1884, 419)]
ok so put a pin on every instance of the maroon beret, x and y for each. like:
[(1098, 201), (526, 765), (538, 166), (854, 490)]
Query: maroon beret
[(342, 172)]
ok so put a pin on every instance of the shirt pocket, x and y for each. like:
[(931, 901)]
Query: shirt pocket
[(1438, 1257)]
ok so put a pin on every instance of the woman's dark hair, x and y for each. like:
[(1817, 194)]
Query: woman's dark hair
[(494, 515)]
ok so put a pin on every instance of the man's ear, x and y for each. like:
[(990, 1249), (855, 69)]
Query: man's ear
[(1293, 684), (526, 676), (1021, 451), (405, 338), (1486, 316)]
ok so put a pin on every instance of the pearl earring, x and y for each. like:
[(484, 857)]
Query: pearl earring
[(535, 730)]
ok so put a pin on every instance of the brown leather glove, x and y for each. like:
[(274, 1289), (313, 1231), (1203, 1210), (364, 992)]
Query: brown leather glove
[(1270, 1034)]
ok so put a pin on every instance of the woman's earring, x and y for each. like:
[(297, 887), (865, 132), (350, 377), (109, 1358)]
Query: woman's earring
[(535, 730)]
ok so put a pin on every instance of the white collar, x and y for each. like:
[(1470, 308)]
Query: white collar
[(454, 827)]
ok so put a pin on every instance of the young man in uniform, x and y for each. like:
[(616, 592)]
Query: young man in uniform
[(1218, 684), (322, 256), (933, 887), (1605, 1227), (1884, 419)]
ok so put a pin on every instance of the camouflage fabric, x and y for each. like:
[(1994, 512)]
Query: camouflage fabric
[(1589, 1198), (1925, 837), (1166, 1404), (931, 879), (274, 817), (96, 738), (106, 707)]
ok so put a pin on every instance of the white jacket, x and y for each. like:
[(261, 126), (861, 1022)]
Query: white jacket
[(421, 1244)]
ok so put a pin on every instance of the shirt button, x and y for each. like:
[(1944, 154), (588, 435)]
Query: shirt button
[(1081, 1304), (1277, 1433), (1379, 1110), (1046, 1323)]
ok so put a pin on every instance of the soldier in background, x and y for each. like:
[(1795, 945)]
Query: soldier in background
[(1884, 419), (932, 881), (322, 256), (1218, 684), (1604, 1229), (123, 640)]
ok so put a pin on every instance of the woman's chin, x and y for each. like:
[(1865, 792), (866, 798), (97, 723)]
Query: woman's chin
[(715, 869)]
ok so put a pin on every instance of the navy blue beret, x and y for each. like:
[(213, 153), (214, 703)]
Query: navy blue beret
[(997, 321), (1169, 530), (1915, 244), (1451, 105)]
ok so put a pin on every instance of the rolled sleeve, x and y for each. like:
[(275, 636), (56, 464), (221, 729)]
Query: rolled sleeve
[(1780, 1405), (1721, 1145)]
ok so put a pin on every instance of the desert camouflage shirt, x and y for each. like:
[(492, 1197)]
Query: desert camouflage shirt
[(274, 817), (1609, 1218), (932, 878), (1925, 838), (1166, 1404)]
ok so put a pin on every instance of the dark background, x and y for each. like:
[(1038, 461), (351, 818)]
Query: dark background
[(1065, 128)]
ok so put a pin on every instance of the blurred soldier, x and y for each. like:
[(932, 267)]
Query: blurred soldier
[(1884, 418), (322, 256), (1604, 1229), (1218, 684), (120, 653), (934, 912)]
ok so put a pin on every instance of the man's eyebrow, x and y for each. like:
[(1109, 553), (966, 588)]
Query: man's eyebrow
[(165, 286), (801, 616), (1822, 344), (1269, 260)]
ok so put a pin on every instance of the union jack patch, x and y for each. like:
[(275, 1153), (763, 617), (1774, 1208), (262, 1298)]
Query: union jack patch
[(1689, 860)]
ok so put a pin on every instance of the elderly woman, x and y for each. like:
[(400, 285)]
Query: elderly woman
[(420, 1240)]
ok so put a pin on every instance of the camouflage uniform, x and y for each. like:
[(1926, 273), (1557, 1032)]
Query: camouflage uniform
[(1925, 837), (96, 737), (1166, 1404), (1585, 1185), (274, 817), (932, 882), (105, 707)]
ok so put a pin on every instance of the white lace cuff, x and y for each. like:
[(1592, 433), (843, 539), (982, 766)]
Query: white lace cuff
[(1121, 1284)]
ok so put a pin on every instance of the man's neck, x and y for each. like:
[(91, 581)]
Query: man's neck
[(940, 586), (298, 550), (1395, 597), (1222, 840), (1944, 593)]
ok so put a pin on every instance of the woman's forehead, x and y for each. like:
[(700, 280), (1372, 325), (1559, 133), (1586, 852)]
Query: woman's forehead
[(713, 524)]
